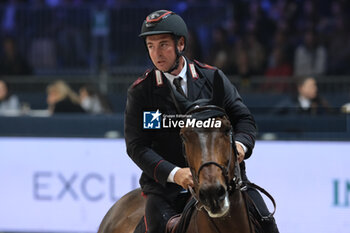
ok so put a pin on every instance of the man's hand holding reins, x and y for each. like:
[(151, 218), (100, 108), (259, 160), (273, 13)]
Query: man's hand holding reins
[(183, 177), (241, 152)]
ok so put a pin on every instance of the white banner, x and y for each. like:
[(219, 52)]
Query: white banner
[(61, 184), (68, 185), (310, 182)]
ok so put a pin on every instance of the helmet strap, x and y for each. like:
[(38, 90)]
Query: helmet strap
[(176, 64), (178, 55)]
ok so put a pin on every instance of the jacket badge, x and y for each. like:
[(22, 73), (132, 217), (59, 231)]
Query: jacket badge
[(159, 79), (193, 71)]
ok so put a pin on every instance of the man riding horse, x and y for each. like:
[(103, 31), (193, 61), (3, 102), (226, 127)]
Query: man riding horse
[(158, 152)]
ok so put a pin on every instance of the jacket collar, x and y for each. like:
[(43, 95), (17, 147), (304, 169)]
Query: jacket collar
[(160, 85), (195, 82)]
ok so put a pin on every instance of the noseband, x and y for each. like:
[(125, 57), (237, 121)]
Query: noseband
[(231, 184), (236, 181)]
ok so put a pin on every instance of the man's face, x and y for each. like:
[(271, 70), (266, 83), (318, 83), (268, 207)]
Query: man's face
[(161, 49), (53, 96), (3, 90), (308, 89)]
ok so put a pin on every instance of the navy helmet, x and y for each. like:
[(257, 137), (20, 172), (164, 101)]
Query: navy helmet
[(164, 22)]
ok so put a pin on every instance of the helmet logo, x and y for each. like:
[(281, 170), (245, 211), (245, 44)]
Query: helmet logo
[(153, 16), (156, 17), (163, 22)]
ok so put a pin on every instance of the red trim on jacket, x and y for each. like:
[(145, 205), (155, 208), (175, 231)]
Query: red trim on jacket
[(155, 170), (140, 79), (143, 194), (203, 65), (145, 220)]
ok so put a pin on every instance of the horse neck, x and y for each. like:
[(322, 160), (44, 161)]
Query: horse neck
[(236, 221), (238, 209)]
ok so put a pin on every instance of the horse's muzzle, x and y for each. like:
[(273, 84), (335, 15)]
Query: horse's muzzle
[(214, 198)]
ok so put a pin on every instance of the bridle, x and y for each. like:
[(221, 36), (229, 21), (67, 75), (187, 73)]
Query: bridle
[(232, 184)]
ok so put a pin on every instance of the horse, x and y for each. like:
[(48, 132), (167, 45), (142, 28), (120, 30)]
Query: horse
[(221, 201), (219, 194), (212, 158)]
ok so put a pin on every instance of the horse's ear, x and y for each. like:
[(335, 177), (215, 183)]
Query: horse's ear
[(217, 98)]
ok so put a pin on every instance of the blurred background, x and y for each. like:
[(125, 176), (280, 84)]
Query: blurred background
[(65, 66), (267, 48)]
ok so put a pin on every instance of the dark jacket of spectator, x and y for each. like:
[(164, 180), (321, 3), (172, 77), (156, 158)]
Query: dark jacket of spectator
[(12, 62), (62, 99)]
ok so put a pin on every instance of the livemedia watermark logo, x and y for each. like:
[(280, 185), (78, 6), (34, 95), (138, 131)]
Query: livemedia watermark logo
[(157, 120), (152, 119)]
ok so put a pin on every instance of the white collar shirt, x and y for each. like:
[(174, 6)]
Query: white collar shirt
[(304, 103), (182, 74)]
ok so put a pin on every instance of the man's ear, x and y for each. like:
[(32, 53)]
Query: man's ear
[(181, 44)]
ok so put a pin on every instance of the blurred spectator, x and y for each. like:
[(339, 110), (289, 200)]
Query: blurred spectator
[(339, 48), (70, 40), (306, 101), (249, 58), (259, 24), (62, 99), (9, 103), (9, 18), (308, 15), (282, 40), (256, 54), (41, 47), (193, 48), (310, 57), (42, 53), (56, 36), (220, 52), (12, 62), (241, 62), (345, 108), (92, 101), (278, 73), (232, 30)]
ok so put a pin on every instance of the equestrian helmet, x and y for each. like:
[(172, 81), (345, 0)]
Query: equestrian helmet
[(163, 22)]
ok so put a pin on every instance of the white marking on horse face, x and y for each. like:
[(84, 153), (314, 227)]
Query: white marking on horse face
[(224, 210), (203, 143), (203, 138)]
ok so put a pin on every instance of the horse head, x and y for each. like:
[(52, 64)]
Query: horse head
[(211, 157), (209, 150)]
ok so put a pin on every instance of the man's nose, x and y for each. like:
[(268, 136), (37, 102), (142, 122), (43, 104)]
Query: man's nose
[(158, 51)]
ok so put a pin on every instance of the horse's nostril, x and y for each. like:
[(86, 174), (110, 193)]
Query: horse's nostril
[(211, 193), (202, 195), (221, 192)]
